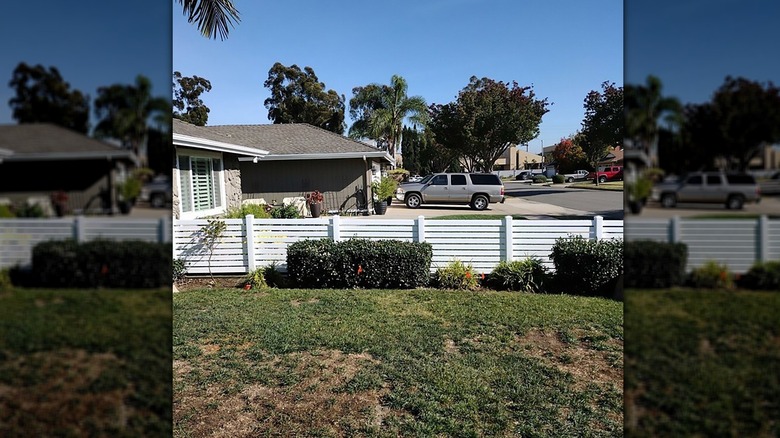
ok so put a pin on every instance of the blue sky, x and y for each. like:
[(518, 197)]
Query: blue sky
[(92, 43), (563, 49), (693, 45)]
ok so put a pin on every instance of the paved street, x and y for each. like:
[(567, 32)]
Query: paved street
[(768, 205)]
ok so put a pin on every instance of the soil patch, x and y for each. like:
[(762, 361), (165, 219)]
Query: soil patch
[(221, 282)]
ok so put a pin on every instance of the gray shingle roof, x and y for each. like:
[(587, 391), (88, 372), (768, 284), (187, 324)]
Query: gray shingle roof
[(46, 138), (286, 139)]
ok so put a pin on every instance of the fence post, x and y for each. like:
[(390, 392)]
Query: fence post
[(598, 227), (164, 234), (173, 239), (249, 226), (420, 228), (78, 228), (508, 251), (762, 240), (335, 228), (674, 229)]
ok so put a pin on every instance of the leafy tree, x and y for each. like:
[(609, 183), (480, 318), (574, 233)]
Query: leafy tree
[(487, 117), (412, 142), (379, 112), (125, 112), (43, 96), (603, 124), (741, 118), (645, 107), (186, 99), (568, 156), (212, 17), (297, 96)]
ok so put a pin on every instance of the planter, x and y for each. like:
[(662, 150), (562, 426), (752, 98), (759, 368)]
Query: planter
[(316, 209), (389, 200), (125, 206), (380, 207)]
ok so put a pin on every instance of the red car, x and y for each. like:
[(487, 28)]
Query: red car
[(607, 173)]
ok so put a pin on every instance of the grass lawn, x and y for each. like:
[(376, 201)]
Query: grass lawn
[(85, 363), (702, 363), (396, 363)]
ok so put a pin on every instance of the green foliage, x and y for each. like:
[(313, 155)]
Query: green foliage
[(289, 211), (381, 264), (603, 124), (5, 280), (6, 211), (210, 235), (558, 178), (384, 188), (179, 269), (26, 209), (187, 104), (298, 96), (457, 275), (650, 264), (102, 263), (762, 276), (539, 179), (260, 211), (711, 275), (639, 189), (129, 189), (527, 275), (585, 266), (256, 279), (273, 276)]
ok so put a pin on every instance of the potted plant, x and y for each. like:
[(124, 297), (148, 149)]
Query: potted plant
[(382, 190), (59, 200), (128, 191), (314, 201)]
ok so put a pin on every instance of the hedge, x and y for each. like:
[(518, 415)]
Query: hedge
[(652, 264), (587, 267)]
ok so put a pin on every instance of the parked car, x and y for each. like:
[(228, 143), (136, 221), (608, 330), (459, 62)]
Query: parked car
[(607, 173), (157, 192), (730, 189), (477, 190), (770, 186), (577, 175)]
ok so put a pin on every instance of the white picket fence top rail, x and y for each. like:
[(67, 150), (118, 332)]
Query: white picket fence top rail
[(483, 243), (18, 236)]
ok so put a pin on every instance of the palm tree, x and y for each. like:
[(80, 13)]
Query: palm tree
[(212, 16), (380, 110), (645, 107)]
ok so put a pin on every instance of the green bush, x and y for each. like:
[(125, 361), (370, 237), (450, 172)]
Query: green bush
[(587, 267), (382, 264), (762, 276), (5, 280), (558, 178), (527, 275), (179, 269), (259, 211), (540, 179), (289, 211), (274, 277), (102, 263), (256, 279), (29, 210), (6, 211), (650, 264), (711, 275), (458, 276)]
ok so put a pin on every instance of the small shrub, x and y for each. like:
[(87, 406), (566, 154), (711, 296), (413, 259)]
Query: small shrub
[(289, 211), (6, 211), (179, 269), (274, 277), (457, 275), (260, 211), (558, 178), (711, 275), (5, 280), (587, 267), (762, 276), (527, 275), (540, 179), (30, 210), (650, 264), (256, 279)]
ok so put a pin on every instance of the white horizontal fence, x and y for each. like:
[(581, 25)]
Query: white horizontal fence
[(737, 243), (483, 243), (19, 236)]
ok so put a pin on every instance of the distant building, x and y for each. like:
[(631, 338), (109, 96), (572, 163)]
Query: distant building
[(518, 159)]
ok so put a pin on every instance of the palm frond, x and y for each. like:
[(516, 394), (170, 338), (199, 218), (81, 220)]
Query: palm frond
[(212, 17)]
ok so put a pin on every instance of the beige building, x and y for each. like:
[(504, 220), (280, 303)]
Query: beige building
[(517, 159)]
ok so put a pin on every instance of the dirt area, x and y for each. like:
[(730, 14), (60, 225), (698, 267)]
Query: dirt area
[(219, 282)]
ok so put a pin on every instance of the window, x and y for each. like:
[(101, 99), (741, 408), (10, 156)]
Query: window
[(485, 179), (200, 182), (694, 180), (713, 180), (740, 179), (458, 180), (439, 180)]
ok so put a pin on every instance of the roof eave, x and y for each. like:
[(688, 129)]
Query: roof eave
[(323, 156), (217, 146)]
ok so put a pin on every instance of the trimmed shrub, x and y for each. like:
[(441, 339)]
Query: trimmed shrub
[(179, 269), (289, 211), (587, 267), (650, 264), (762, 276), (527, 275), (711, 275), (257, 210), (558, 178), (539, 179), (274, 277), (102, 263), (5, 280), (458, 276), (362, 263)]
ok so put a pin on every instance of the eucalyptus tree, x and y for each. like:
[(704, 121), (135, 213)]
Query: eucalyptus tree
[(212, 17), (379, 112), (187, 104)]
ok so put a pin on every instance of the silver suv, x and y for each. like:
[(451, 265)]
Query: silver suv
[(475, 189), (730, 189)]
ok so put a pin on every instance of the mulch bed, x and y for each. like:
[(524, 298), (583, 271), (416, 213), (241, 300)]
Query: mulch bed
[(221, 282)]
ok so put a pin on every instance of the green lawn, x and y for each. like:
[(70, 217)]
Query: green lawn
[(702, 363), (396, 363), (85, 363)]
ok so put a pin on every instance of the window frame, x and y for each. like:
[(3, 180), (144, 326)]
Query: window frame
[(218, 178)]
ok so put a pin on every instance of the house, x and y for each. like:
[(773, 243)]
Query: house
[(614, 157), (218, 168), (39, 159), (514, 158)]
